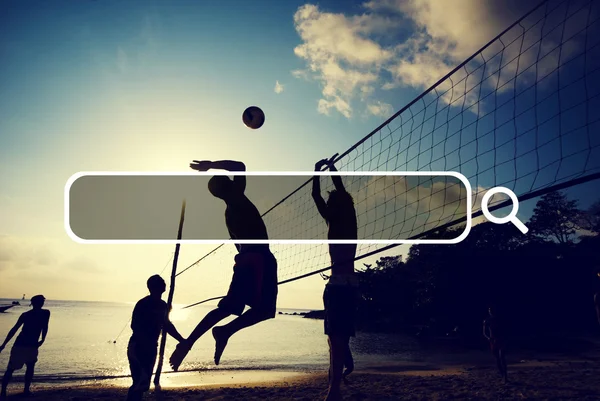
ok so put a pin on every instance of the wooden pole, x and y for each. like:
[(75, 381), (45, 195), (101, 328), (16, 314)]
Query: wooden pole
[(163, 341)]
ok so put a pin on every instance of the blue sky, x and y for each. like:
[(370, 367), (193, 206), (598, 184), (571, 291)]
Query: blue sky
[(150, 86)]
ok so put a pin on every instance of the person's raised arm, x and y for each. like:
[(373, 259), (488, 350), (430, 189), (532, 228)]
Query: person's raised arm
[(12, 332), (316, 190), (45, 330), (228, 165), (485, 330), (337, 180)]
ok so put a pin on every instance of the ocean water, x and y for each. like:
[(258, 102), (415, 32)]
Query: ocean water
[(80, 344)]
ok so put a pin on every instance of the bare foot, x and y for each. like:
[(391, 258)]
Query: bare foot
[(177, 357), (221, 339)]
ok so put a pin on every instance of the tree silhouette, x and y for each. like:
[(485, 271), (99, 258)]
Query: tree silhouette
[(555, 218), (590, 219), (540, 285)]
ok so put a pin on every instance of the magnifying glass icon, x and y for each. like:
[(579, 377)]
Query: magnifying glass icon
[(512, 216)]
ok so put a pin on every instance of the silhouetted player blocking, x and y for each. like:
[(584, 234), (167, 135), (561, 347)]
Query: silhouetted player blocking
[(25, 349), (341, 292), (497, 339), (254, 281), (150, 316)]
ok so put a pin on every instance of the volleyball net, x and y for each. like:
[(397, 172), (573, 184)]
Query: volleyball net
[(519, 113)]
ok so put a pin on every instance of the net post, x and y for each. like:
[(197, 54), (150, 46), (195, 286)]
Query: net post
[(163, 340)]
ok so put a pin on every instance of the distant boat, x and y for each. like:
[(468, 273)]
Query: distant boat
[(16, 303), (23, 299), (4, 308)]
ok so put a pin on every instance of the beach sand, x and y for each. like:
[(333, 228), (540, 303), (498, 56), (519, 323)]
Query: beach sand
[(539, 380)]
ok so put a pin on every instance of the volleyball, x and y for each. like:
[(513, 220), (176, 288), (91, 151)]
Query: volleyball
[(253, 117)]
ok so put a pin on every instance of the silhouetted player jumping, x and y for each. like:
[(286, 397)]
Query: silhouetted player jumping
[(341, 293), (254, 281), (497, 339), (25, 349), (148, 320)]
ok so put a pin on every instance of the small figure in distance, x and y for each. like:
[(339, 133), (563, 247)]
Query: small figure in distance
[(150, 316), (25, 348), (254, 281), (497, 339), (341, 292), (597, 295)]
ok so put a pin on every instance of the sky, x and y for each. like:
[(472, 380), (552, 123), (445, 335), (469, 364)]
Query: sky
[(150, 86)]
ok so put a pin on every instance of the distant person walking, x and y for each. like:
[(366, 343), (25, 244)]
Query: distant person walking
[(495, 331), (597, 297), (341, 292), (25, 348), (150, 316)]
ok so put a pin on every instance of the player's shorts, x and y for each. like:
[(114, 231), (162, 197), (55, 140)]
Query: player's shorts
[(22, 355), (340, 303), (254, 283)]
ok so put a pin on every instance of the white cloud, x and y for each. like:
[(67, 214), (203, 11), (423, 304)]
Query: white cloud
[(339, 55), (278, 87), (414, 43), (380, 109)]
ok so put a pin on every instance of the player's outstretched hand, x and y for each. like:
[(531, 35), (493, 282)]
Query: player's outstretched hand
[(201, 165), (331, 159), (325, 162), (320, 164)]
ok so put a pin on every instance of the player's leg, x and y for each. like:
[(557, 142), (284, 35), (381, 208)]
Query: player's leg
[(350, 330), (213, 317), (147, 356), (254, 284), (348, 359), (30, 368), (181, 350), (134, 394), (15, 362), (335, 338), (503, 364), (223, 333), (496, 353), (337, 351), (6, 379)]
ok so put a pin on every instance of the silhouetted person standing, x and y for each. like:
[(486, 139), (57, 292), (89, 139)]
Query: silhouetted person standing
[(254, 281), (597, 298), (341, 292), (150, 316), (497, 339), (25, 348)]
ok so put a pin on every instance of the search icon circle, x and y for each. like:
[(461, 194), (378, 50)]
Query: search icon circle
[(512, 216)]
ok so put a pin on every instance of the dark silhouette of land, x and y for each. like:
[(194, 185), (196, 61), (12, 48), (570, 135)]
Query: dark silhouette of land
[(543, 282), (25, 348), (254, 281)]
